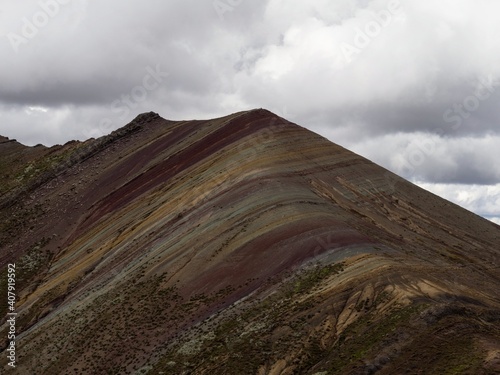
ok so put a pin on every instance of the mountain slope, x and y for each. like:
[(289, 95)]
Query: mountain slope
[(240, 245)]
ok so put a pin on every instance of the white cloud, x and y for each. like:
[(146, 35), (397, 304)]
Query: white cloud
[(481, 199), (414, 56), (429, 157)]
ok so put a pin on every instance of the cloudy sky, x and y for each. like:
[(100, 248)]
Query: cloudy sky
[(412, 85)]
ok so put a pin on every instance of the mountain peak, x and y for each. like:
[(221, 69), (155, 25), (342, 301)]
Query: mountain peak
[(146, 117)]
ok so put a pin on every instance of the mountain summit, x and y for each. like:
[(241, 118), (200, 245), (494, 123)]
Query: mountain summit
[(240, 245)]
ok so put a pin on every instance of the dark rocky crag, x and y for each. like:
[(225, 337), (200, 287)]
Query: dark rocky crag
[(240, 245)]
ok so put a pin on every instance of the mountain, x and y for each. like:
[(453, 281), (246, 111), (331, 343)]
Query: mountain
[(240, 245)]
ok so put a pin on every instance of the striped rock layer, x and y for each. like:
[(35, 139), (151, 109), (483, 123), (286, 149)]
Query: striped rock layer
[(240, 245)]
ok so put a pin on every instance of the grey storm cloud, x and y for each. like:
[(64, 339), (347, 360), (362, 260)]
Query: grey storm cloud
[(389, 79), (424, 157)]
